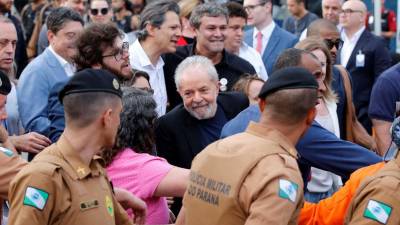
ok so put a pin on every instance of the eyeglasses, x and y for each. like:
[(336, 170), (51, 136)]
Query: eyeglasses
[(119, 52), (349, 11), (333, 43), (102, 11), (252, 7)]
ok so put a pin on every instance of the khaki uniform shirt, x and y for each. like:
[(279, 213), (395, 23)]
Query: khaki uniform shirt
[(58, 188), (249, 178), (10, 164), (377, 200)]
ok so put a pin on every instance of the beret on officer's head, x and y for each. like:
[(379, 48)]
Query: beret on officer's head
[(91, 80), (5, 83), (288, 78)]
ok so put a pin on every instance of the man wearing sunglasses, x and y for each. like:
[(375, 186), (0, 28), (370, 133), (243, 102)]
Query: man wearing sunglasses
[(100, 11), (363, 54), (100, 46)]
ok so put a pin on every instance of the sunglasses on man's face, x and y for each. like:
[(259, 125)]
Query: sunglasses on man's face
[(103, 11), (333, 43)]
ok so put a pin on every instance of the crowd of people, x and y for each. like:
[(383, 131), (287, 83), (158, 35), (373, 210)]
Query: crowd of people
[(193, 112)]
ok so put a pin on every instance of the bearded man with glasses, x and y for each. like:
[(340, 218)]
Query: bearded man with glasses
[(363, 54), (100, 46)]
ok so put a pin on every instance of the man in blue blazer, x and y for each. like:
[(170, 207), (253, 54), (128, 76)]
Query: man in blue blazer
[(54, 65), (363, 54), (266, 36)]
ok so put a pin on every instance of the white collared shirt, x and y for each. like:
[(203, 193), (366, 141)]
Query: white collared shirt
[(349, 45), (69, 68), (254, 58), (140, 61), (266, 34)]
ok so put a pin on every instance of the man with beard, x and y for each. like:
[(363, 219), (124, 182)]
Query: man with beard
[(159, 31), (44, 72), (210, 23), (66, 181), (21, 57), (191, 126), (99, 46)]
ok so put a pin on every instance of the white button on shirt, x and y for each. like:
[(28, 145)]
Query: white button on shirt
[(349, 45), (69, 68), (266, 34), (140, 61)]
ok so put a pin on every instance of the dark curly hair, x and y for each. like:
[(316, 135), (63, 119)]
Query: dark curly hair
[(93, 42), (136, 129)]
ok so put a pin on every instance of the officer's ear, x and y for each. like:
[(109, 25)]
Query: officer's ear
[(311, 116), (107, 117), (261, 104)]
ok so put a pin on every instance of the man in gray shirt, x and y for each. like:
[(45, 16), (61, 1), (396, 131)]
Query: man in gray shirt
[(300, 18)]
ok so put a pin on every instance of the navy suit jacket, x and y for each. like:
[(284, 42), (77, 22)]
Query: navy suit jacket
[(377, 60), (280, 40)]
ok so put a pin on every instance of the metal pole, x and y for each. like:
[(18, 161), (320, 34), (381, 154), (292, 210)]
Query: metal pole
[(377, 17)]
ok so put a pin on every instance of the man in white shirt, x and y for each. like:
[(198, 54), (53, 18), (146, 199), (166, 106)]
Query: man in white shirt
[(159, 32), (234, 39), (266, 37), (363, 54), (54, 65)]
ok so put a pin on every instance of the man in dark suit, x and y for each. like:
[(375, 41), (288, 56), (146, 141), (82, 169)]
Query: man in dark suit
[(191, 126), (266, 36), (363, 54)]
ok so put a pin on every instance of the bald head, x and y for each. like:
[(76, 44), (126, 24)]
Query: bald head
[(320, 26), (353, 16)]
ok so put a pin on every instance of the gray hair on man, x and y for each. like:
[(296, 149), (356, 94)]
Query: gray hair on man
[(195, 62), (210, 9)]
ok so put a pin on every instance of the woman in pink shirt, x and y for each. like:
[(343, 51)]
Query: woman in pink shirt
[(132, 163)]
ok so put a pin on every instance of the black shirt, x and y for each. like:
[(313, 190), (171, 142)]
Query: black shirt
[(210, 129), (231, 68)]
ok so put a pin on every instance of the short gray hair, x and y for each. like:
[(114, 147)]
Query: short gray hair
[(210, 9), (154, 14), (197, 61)]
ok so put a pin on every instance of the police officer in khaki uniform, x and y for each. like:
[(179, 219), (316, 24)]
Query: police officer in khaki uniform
[(377, 200), (65, 183), (253, 177)]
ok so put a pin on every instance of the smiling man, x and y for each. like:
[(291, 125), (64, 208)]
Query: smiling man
[(159, 32), (210, 23)]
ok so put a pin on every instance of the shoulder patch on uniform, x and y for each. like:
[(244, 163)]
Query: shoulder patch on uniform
[(377, 211), (35, 197), (109, 205), (288, 190), (6, 151)]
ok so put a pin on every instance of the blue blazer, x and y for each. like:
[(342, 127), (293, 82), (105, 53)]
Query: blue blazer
[(377, 60), (33, 89), (279, 41)]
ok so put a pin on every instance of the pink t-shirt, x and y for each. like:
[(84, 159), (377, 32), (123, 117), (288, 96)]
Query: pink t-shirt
[(140, 174)]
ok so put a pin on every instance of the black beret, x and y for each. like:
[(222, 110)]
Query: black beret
[(288, 78), (91, 80), (5, 84)]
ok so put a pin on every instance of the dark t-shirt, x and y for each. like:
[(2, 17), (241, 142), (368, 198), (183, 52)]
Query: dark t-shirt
[(297, 26), (385, 94), (210, 129)]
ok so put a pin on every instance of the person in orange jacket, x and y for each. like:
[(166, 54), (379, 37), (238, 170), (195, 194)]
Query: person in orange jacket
[(333, 210)]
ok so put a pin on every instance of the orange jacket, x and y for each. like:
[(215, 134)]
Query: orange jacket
[(332, 211)]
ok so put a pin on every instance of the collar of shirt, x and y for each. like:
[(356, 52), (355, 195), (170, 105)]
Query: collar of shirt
[(355, 37), (266, 31), (71, 156), (68, 67), (141, 57), (273, 135)]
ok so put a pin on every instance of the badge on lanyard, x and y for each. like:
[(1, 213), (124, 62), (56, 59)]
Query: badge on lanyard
[(360, 59)]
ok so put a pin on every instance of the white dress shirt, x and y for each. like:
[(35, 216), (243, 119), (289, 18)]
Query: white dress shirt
[(140, 61), (348, 45), (266, 34), (254, 58), (69, 68)]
